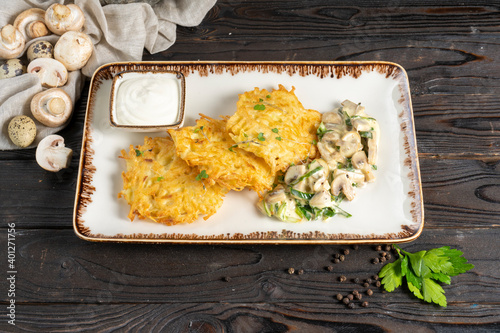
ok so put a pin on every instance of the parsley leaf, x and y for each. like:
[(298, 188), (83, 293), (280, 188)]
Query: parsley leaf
[(138, 152), (259, 107), (423, 271), (261, 137), (202, 175)]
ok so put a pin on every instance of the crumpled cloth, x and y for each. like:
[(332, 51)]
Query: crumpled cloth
[(119, 33)]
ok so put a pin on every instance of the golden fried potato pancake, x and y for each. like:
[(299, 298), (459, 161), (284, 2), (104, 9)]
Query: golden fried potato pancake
[(161, 186), (275, 126), (208, 146)]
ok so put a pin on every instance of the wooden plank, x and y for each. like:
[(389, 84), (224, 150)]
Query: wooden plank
[(245, 317), (56, 267)]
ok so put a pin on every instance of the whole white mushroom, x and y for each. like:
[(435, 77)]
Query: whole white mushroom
[(73, 50), (31, 23), (61, 18), (52, 107), (11, 42)]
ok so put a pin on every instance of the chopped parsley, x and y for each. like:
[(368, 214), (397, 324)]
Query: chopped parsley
[(202, 175), (259, 107)]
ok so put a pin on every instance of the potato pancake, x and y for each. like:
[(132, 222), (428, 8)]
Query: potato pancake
[(275, 126), (160, 186), (208, 146)]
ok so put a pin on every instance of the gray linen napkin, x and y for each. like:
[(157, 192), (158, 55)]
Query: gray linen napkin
[(119, 33)]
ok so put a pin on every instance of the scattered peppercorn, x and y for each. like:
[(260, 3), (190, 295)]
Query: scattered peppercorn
[(342, 278), (227, 278), (388, 247), (382, 259), (291, 270), (375, 277), (364, 304), (383, 254), (300, 272), (355, 280), (342, 257), (351, 305), (329, 268), (358, 296), (378, 284), (378, 248), (350, 296), (355, 292), (346, 300), (346, 251), (369, 292), (355, 247), (336, 255), (375, 261), (388, 256), (340, 297), (336, 261), (366, 285), (368, 280)]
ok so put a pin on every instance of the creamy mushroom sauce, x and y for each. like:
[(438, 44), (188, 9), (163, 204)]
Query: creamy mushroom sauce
[(348, 144)]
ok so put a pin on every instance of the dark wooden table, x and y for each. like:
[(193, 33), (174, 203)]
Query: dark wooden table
[(451, 53)]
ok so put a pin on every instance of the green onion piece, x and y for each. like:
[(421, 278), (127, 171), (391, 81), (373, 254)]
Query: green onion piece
[(309, 174), (301, 195), (366, 134)]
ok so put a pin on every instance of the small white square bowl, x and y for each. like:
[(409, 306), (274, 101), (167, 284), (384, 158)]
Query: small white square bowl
[(130, 92)]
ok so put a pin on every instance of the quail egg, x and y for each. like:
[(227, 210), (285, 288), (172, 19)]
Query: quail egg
[(41, 49), (22, 131), (12, 68)]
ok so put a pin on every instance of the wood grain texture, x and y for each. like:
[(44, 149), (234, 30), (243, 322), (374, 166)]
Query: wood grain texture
[(116, 273)]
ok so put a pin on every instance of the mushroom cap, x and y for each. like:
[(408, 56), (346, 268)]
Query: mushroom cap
[(12, 68), (61, 18), (11, 42), (22, 131), (52, 107), (31, 23), (73, 49), (40, 49), (52, 155), (51, 72)]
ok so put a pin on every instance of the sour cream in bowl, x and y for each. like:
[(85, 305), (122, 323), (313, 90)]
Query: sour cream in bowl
[(147, 101)]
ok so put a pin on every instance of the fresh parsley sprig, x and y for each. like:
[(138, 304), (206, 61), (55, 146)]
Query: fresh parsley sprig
[(424, 271)]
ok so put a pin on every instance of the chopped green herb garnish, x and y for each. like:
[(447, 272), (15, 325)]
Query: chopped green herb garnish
[(307, 175), (278, 138), (233, 146), (366, 134), (423, 272), (196, 130), (268, 96), (261, 137), (261, 100), (259, 107), (374, 167), (202, 175), (138, 152), (275, 130), (159, 179)]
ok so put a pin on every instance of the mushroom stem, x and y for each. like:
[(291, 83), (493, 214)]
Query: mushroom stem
[(60, 156), (56, 106), (8, 34), (61, 11)]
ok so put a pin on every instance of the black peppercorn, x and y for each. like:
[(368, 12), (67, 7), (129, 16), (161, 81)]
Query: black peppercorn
[(378, 248), (378, 284), (355, 292), (366, 285), (387, 247), (336, 255), (358, 296), (350, 296), (329, 268), (388, 256), (342, 278), (351, 305), (355, 280), (375, 277), (346, 300), (300, 272), (369, 292), (226, 278), (342, 257), (336, 261), (382, 259), (291, 270), (368, 280), (375, 261), (340, 297), (383, 254), (355, 247), (364, 304), (346, 251)]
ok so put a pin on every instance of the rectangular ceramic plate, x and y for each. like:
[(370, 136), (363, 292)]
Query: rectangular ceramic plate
[(387, 211)]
